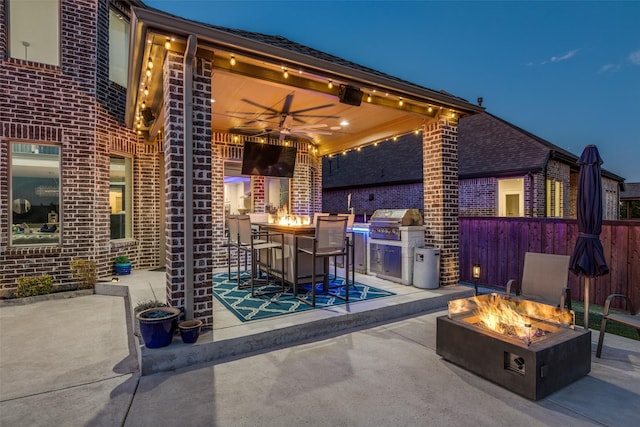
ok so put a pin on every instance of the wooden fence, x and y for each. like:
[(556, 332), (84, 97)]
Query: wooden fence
[(499, 245)]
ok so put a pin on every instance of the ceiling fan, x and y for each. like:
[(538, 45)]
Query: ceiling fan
[(286, 118)]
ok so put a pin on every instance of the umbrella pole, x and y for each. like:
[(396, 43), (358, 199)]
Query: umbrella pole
[(587, 283)]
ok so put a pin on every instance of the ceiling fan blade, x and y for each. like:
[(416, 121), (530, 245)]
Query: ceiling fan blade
[(287, 104), (255, 104), (317, 107)]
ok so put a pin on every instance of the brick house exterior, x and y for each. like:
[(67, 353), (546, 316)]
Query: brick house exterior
[(74, 106), (489, 148), (179, 151)]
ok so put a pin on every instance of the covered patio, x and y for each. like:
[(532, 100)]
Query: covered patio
[(198, 92)]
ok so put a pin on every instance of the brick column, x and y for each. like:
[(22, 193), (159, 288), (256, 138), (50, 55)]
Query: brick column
[(173, 81), (440, 170), (202, 193), (258, 191)]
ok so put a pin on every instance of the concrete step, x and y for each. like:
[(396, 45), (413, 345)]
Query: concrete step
[(260, 336)]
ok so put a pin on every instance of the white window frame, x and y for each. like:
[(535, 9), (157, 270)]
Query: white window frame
[(29, 232), (29, 33), (118, 47), (510, 186), (127, 201)]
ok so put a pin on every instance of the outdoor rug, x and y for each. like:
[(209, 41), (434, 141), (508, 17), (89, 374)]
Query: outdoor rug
[(246, 308)]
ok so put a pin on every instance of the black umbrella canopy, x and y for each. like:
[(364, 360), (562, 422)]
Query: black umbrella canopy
[(588, 255)]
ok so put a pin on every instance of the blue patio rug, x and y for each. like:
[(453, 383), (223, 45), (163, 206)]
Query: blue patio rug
[(246, 308)]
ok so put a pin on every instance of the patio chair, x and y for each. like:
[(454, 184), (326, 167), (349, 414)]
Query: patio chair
[(330, 241), (544, 279), (260, 246), (632, 319), (233, 244)]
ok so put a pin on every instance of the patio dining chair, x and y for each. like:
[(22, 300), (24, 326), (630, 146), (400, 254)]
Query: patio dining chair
[(544, 279), (631, 319), (330, 241), (261, 248)]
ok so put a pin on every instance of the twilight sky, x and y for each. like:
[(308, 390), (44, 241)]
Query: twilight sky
[(568, 72)]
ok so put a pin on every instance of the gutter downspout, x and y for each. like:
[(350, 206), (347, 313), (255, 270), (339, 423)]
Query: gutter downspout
[(187, 92)]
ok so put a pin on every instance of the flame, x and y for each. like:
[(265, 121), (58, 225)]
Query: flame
[(522, 319), (282, 217)]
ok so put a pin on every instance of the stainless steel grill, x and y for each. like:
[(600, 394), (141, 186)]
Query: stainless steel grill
[(385, 223)]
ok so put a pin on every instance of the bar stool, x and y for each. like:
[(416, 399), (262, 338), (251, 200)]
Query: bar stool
[(330, 241), (261, 247)]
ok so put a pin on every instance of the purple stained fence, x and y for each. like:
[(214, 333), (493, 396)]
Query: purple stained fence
[(499, 245)]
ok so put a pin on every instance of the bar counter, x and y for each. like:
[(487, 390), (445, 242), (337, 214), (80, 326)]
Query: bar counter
[(304, 260)]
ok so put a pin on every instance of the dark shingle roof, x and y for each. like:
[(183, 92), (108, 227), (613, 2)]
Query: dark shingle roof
[(489, 146), (631, 191)]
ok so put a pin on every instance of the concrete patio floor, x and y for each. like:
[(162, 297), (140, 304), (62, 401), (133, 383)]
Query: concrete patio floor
[(72, 362)]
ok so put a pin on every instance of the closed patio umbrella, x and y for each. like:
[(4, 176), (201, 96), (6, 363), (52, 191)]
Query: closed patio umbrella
[(588, 255)]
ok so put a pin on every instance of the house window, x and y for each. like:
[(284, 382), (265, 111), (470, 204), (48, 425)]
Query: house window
[(511, 197), (121, 197), (118, 47), (555, 199), (277, 194), (237, 190), (35, 194), (34, 30)]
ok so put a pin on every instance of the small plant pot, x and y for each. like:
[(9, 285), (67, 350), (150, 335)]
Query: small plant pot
[(123, 269), (158, 325), (190, 330)]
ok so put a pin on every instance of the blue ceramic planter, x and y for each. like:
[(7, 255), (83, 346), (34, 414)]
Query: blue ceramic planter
[(123, 269), (157, 325), (190, 330)]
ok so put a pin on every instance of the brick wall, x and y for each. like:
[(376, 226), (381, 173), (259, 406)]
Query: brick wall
[(478, 197), (367, 200), (76, 107)]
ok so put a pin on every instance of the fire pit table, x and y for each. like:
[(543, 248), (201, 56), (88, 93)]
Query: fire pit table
[(530, 348)]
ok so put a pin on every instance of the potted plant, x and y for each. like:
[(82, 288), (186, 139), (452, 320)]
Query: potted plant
[(157, 324), (190, 330), (122, 265)]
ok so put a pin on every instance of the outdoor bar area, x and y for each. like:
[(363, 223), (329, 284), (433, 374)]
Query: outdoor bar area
[(264, 113)]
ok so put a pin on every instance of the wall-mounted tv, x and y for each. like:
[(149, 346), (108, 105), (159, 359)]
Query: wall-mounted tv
[(268, 160)]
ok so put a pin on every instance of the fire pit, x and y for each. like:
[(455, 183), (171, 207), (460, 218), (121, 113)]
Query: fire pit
[(530, 348)]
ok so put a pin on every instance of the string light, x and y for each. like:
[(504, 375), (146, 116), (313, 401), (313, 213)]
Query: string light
[(401, 102), (369, 98), (286, 74), (232, 61), (150, 63), (148, 72), (143, 105), (376, 142), (330, 84), (146, 91), (167, 44)]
